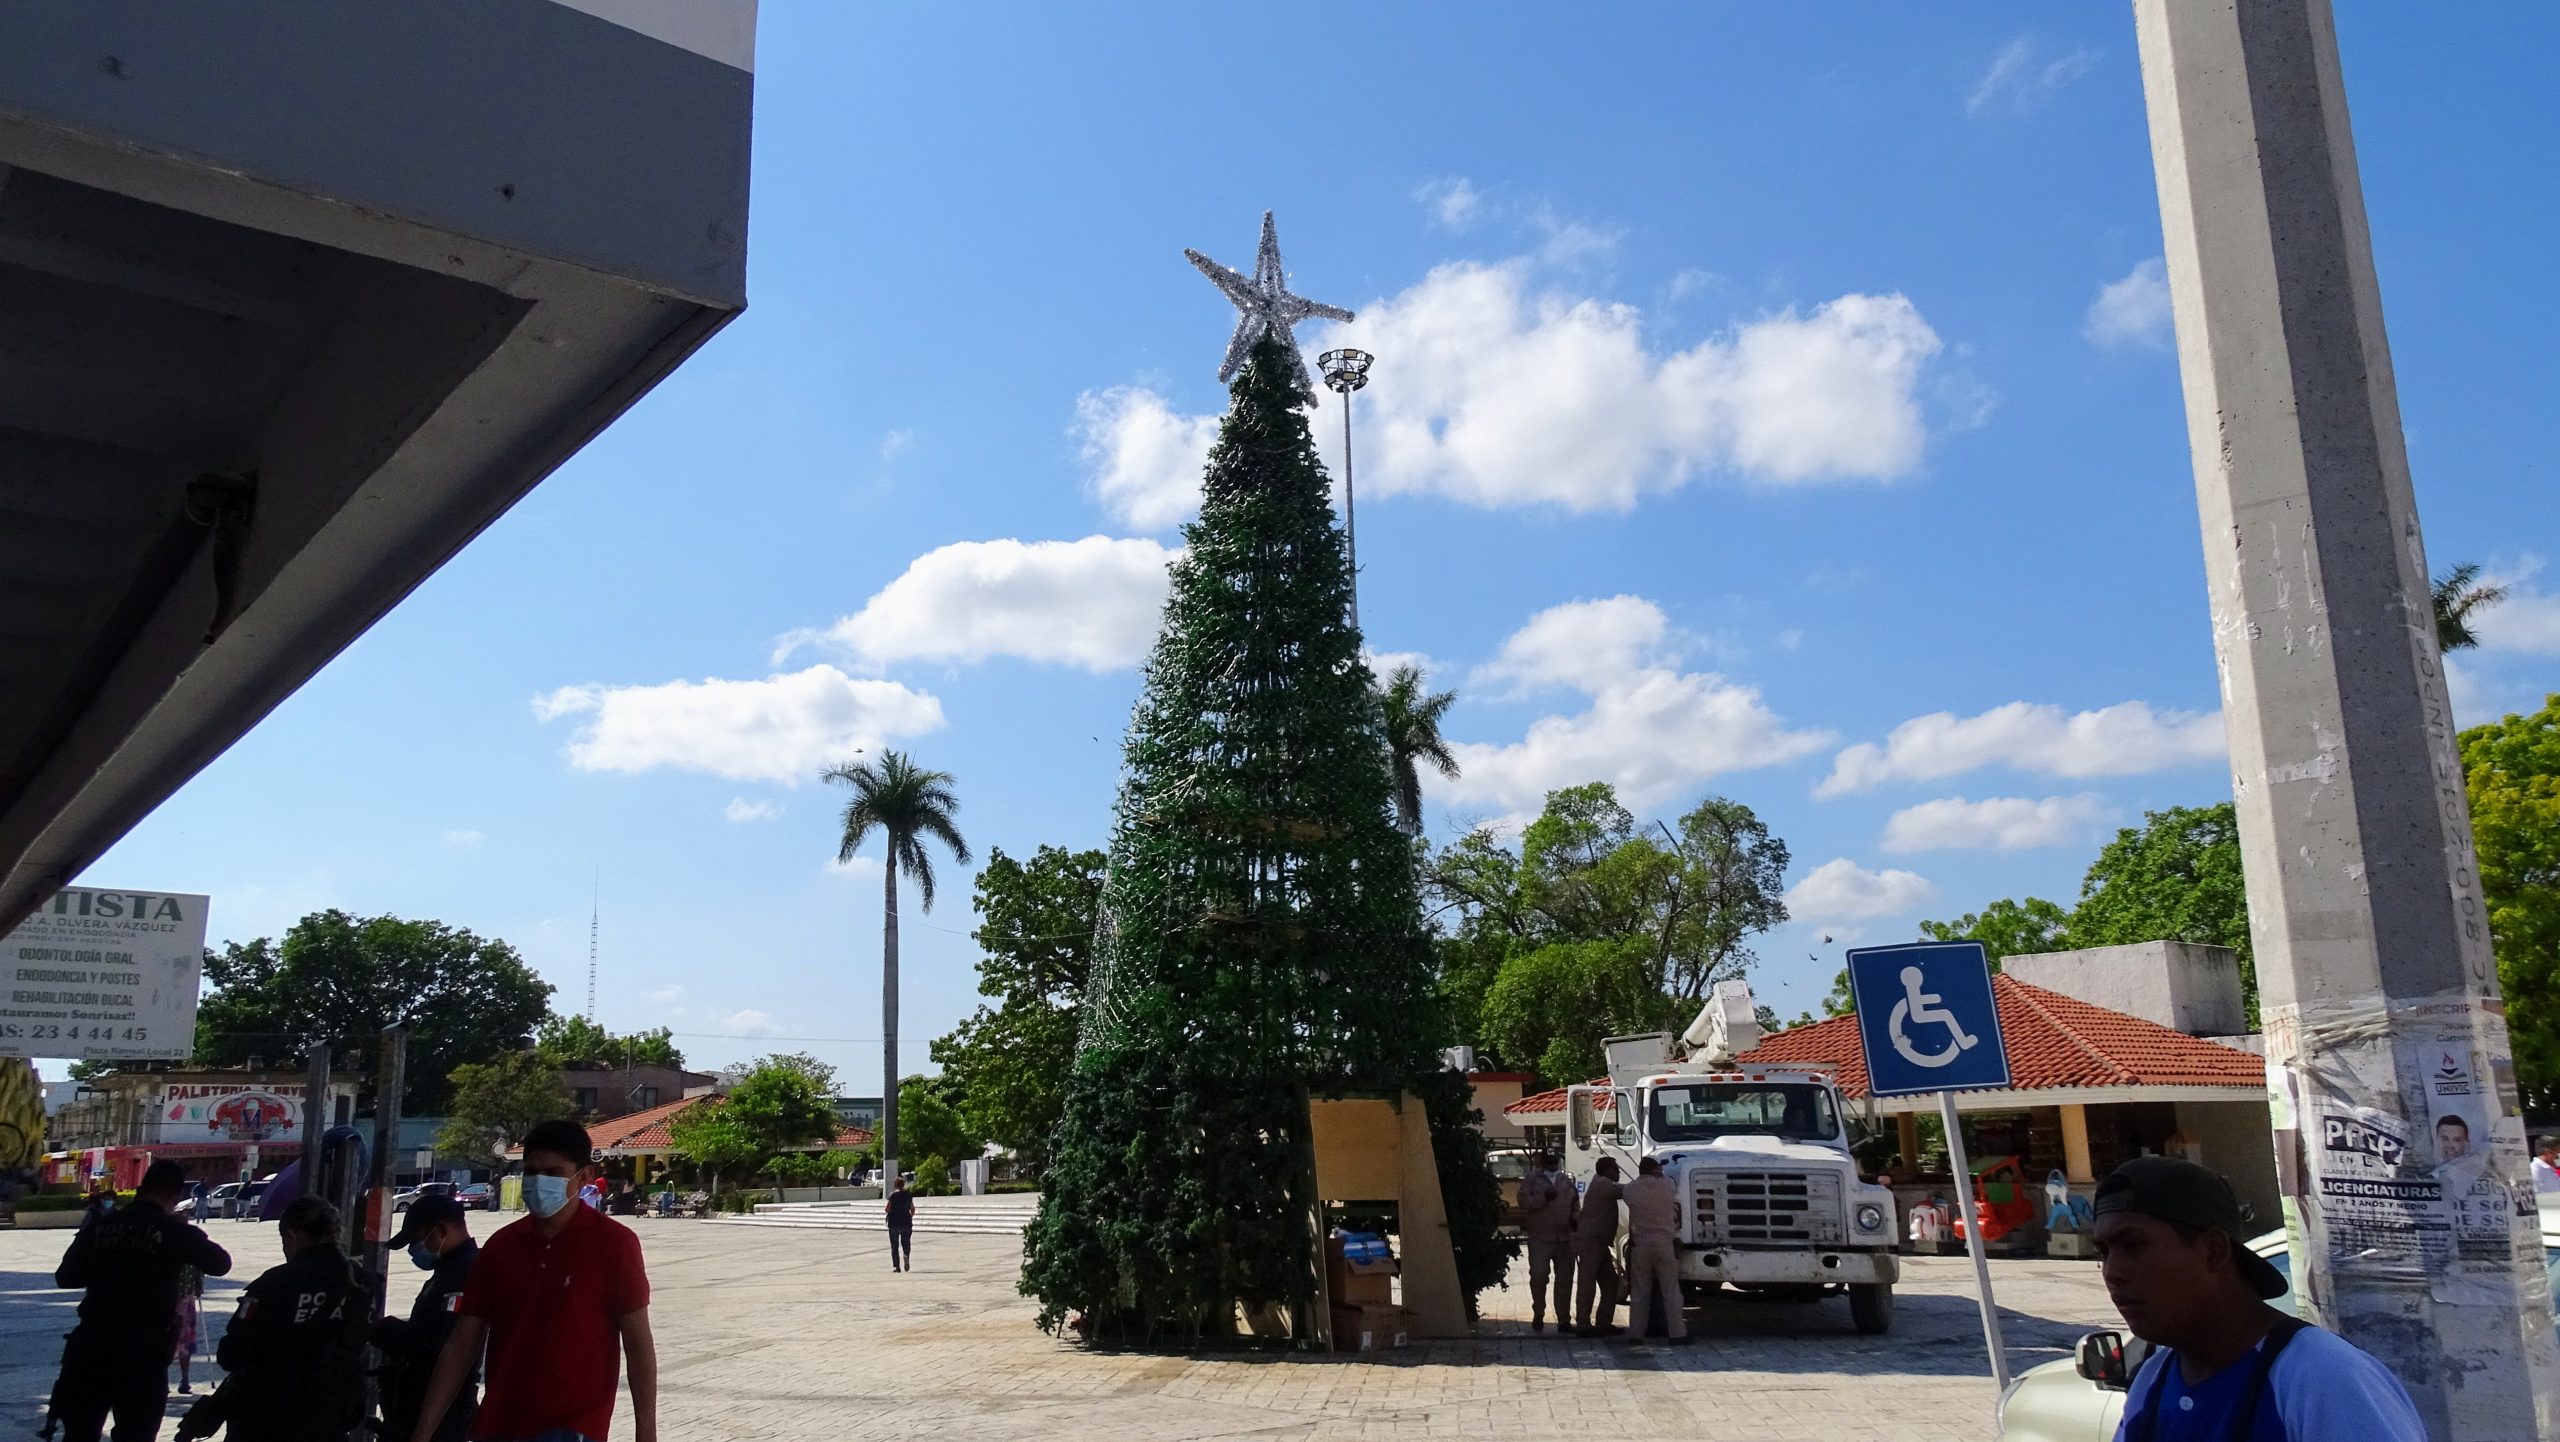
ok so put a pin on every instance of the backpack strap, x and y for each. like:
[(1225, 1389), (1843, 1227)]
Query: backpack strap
[(2279, 1337)]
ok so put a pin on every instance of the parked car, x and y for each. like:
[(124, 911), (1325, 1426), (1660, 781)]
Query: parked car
[(231, 1199), (401, 1199), (1509, 1165), (477, 1196), (2082, 1399)]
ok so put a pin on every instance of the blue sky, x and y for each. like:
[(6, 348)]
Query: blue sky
[(1767, 403)]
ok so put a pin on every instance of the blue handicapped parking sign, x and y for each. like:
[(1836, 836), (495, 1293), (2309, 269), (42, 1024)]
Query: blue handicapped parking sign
[(1926, 1017)]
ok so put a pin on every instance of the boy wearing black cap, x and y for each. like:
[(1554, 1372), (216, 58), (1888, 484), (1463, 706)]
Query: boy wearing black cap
[(2227, 1365), (437, 1237)]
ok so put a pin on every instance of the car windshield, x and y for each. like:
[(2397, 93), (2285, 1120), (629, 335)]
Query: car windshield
[(1704, 1111), (1508, 1166)]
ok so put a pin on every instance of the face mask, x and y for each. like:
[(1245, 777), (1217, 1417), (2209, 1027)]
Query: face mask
[(422, 1257), (546, 1195)]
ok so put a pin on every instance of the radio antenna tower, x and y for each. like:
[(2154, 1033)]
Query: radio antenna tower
[(595, 912)]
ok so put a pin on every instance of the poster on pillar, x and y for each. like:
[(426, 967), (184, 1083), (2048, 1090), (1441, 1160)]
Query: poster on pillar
[(2490, 1216), (104, 975)]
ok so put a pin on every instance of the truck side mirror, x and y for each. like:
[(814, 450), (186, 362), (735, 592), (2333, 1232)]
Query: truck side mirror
[(2100, 1359), (1584, 1120)]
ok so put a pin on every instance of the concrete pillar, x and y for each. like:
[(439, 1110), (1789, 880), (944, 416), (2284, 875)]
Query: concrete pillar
[(2075, 1144), (2380, 998)]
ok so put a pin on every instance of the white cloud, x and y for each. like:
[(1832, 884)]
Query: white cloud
[(2120, 740), (750, 1022), (1143, 459), (2526, 619), (1651, 730), (1568, 244), (861, 868), (1384, 663), (2133, 311), (1497, 396), (672, 994), (895, 444), (1095, 603), (1842, 890), (463, 838), (2022, 78), (1693, 281), (1998, 823), (1454, 202), (741, 809), (784, 728)]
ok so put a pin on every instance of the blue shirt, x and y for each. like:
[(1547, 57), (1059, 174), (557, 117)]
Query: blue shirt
[(2321, 1387)]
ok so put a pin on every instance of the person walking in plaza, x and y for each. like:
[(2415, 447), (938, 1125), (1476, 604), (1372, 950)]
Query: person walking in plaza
[(1546, 1215), (116, 1360), (561, 1297), (902, 1227), (2168, 1234), (293, 1355), (1653, 1259), (1595, 1239), (190, 1325), (437, 1237)]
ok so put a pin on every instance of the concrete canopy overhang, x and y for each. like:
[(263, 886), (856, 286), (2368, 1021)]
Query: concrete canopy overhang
[(296, 296)]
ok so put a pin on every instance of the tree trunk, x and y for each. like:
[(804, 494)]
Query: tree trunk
[(889, 1019)]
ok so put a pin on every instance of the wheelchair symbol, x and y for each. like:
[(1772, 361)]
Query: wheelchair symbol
[(1919, 1006)]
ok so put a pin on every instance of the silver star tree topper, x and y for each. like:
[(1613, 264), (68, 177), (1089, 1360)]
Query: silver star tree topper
[(1267, 306)]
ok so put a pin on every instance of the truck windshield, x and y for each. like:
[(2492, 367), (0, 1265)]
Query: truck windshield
[(1707, 1110)]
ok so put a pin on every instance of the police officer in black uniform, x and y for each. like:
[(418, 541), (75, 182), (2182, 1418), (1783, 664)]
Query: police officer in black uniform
[(438, 1239), (116, 1360), (294, 1351)]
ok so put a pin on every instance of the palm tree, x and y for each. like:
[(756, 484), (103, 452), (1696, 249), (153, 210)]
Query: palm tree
[(2458, 594), (906, 804), (1413, 735)]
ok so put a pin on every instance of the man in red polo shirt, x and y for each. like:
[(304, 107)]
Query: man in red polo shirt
[(556, 1295)]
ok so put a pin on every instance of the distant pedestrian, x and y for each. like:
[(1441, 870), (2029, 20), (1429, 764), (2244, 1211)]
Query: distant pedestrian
[(2225, 1363), (1546, 1210), (116, 1361), (561, 1297), (190, 1319), (294, 1353), (437, 1238), (1595, 1244), (592, 1194), (902, 1227), (2546, 1165), (1653, 1257)]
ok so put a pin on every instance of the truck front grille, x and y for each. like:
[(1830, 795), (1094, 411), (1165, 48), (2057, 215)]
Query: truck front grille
[(1769, 1209)]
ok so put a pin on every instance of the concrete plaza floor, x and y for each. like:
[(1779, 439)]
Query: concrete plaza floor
[(768, 1333)]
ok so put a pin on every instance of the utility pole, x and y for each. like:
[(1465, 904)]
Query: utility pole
[(2399, 1141), (1346, 371)]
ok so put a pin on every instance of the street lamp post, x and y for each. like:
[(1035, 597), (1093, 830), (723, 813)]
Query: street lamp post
[(1345, 371)]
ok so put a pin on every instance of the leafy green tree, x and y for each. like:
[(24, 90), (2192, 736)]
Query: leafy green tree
[(2457, 595), (576, 1041), (2005, 928), (934, 1125), (339, 980), (908, 806), (1638, 926), (2176, 878), (933, 1177), (1413, 740), (2512, 768), (820, 1074), (1262, 933), (715, 1139), (782, 1107), (1009, 1062), (497, 1101)]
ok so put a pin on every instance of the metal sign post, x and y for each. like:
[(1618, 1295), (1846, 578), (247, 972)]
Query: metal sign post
[(1928, 1022)]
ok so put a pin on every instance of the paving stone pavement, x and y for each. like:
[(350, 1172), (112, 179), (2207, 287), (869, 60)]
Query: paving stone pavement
[(774, 1333)]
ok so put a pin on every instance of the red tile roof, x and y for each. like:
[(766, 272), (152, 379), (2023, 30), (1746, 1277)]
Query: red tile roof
[(2054, 1041), (648, 1131), (1554, 1101)]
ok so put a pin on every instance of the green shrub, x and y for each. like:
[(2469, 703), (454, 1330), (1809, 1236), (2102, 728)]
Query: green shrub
[(52, 1202), (933, 1178)]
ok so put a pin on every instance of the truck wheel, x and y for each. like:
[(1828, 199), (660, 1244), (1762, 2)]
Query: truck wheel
[(1871, 1307)]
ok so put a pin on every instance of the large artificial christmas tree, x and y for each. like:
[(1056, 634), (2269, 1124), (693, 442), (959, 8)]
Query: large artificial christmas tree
[(1263, 939)]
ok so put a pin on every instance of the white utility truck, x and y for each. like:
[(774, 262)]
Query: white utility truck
[(1771, 1200)]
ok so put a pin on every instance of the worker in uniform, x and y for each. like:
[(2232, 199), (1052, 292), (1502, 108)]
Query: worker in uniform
[(1546, 1213), (1653, 1258), (438, 1239), (1595, 1243), (116, 1360), (294, 1353)]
